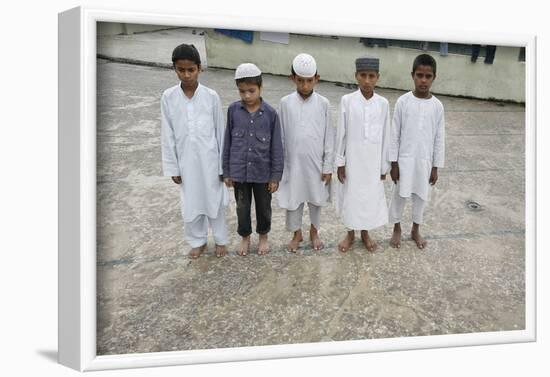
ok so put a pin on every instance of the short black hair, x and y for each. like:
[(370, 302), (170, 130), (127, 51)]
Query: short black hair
[(186, 52), (424, 59), (257, 80), (293, 72)]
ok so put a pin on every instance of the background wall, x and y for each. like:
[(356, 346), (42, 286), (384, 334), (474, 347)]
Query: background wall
[(456, 74), (113, 28)]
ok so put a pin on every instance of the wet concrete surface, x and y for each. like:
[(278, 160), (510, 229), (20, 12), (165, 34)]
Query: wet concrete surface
[(151, 297), (152, 47)]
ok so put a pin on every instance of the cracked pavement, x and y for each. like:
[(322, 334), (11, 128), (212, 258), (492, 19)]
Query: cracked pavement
[(152, 298)]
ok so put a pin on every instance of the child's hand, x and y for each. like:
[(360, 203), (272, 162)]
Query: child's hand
[(383, 177), (177, 179), (228, 182), (272, 186), (394, 173), (326, 178), (433, 176), (341, 173)]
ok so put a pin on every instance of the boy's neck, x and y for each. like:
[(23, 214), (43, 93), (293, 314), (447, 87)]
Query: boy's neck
[(253, 108), (189, 91), (367, 95), (427, 95), (305, 96)]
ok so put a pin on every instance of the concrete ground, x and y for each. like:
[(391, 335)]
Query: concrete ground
[(152, 298)]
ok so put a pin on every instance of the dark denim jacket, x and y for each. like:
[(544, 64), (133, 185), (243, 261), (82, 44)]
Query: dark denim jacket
[(253, 147)]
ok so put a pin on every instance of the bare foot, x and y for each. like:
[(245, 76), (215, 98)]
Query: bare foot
[(367, 241), (346, 243), (263, 246), (315, 240), (295, 242), (420, 242), (244, 246), (221, 250), (196, 251), (395, 240)]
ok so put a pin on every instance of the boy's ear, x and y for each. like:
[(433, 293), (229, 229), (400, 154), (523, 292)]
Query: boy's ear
[(317, 77)]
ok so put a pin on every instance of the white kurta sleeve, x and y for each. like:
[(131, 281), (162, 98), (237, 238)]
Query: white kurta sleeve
[(386, 131), (282, 121), (395, 133), (328, 156), (170, 166), (219, 127), (340, 144), (439, 142), (281, 112)]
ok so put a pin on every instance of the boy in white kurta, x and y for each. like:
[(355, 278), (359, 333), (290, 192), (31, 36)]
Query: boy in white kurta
[(362, 141), (192, 130), (417, 148), (308, 139)]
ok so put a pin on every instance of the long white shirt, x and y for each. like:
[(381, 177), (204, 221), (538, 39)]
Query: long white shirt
[(308, 140), (192, 131), (417, 142), (362, 141)]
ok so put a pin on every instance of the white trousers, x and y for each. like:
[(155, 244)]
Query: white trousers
[(196, 231), (294, 218), (398, 204)]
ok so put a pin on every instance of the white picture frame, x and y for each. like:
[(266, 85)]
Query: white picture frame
[(77, 193)]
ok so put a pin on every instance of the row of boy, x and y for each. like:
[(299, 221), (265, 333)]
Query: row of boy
[(259, 151)]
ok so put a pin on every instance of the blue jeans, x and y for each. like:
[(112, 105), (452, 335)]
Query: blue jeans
[(490, 54), (444, 48), (475, 53), (262, 202)]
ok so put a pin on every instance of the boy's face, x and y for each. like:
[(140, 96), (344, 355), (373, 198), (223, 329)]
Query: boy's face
[(367, 80), (187, 71), (423, 78), (305, 85), (250, 93)]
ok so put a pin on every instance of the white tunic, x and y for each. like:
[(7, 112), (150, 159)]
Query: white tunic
[(192, 131), (362, 141), (308, 140), (417, 142)]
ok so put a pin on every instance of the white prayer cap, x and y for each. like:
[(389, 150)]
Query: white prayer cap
[(247, 70), (304, 65)]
